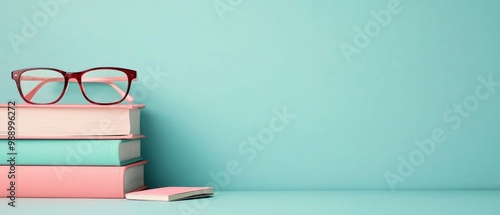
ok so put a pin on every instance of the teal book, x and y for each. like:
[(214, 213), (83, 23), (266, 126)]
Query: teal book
[(70, 152)]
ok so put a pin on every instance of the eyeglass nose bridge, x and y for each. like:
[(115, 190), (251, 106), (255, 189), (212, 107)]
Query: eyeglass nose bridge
[(74, 76)]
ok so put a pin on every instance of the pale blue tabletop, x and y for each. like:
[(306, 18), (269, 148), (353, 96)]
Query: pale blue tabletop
[(291, 202)]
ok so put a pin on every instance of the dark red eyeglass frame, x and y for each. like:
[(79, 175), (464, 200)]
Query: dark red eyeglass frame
[(131, 76)]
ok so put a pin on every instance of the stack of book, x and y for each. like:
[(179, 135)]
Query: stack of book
[(70, 151)]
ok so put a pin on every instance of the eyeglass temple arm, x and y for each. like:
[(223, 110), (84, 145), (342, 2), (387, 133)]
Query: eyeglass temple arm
[(44, 81)]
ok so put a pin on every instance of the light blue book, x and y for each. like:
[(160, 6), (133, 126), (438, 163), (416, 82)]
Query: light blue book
[(71, 152)]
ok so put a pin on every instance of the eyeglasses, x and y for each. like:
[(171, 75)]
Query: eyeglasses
[(101, 85)]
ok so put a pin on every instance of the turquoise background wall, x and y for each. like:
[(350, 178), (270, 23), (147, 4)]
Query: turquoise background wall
[(287, 95)]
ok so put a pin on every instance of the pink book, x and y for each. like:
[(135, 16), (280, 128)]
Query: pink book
[(72, 181), (171, 193), (79, 137), (70, 121)]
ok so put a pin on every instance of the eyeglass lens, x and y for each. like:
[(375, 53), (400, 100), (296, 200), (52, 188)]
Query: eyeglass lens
[(105, 85), (42, 86)]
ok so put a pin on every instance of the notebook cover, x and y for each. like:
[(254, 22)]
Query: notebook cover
[(67, 181), (170, 191)]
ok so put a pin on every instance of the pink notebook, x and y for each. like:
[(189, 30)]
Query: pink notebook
[(171, 193), (73, 181)]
